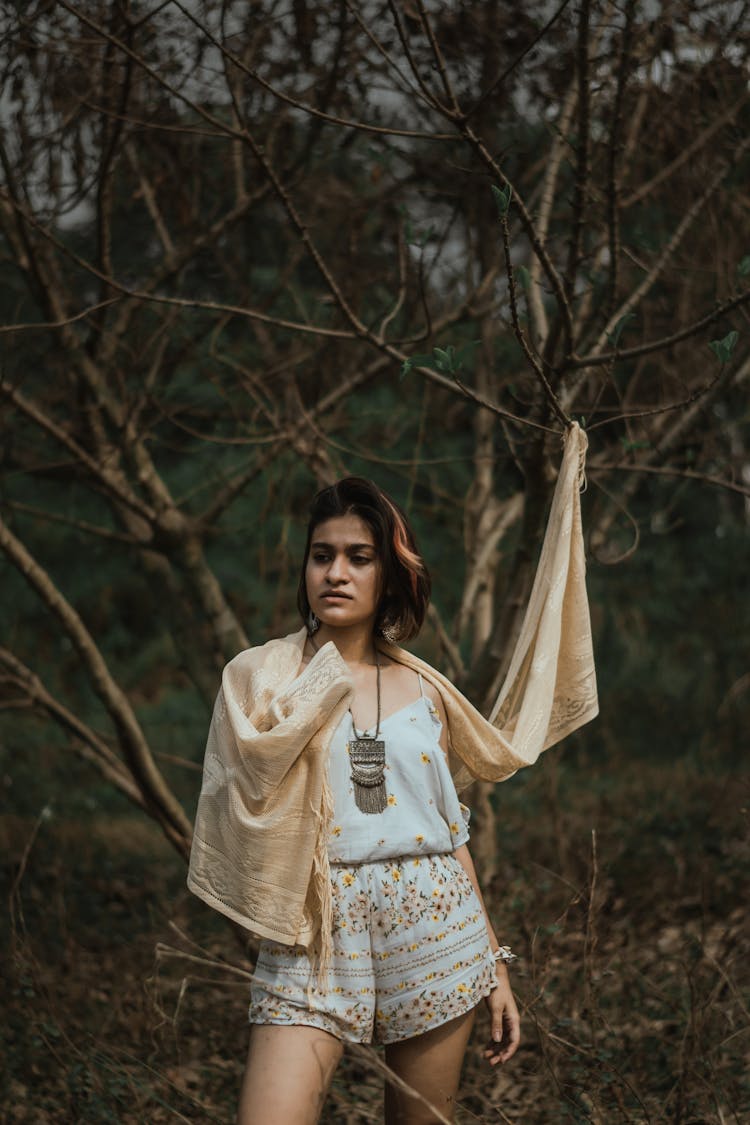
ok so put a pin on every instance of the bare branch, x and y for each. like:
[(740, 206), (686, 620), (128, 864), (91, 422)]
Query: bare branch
[(548, 191), (86, 742), (437, 54), (664, 342), (583, 168), (613, 186), (156, 794), (686, 153), (520, 334), (495, 85), (637, 295), (109, 480), (668, 471), (305, 107), (77, 525), (46, 325)]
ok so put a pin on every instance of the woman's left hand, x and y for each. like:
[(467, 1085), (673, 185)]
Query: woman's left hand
[(506, 1023)]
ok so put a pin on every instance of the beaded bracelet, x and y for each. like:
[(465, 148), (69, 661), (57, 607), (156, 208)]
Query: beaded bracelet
[(504, 954)]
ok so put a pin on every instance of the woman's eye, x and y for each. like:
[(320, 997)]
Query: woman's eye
[(320, 558), (361, 560)]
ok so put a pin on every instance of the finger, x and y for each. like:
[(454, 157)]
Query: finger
[(512, 1038)]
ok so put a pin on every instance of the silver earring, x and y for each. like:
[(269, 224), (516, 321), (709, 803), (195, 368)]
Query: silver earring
[(313, 623)]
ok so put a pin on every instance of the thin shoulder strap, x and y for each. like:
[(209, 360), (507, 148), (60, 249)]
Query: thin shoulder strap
[(421, 684)]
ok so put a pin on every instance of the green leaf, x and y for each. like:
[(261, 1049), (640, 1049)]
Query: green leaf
[(502, 198), (723, 349), (416, 361), (523, 276), (614, 335), (448, 360), (743, 269)]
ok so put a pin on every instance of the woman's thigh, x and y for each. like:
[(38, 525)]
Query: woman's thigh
[(287, 1075), (429, 1064)]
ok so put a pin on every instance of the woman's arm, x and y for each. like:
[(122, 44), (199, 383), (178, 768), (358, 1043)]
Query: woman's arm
[(506, 1024)]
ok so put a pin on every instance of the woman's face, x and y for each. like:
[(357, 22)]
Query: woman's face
[(343, 573)]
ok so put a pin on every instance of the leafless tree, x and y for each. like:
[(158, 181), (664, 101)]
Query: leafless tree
[(225, 224)]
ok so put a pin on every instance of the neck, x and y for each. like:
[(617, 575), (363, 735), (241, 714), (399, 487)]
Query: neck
[(356, 644)]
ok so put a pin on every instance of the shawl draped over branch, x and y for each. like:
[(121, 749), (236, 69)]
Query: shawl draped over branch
[(259, 846)]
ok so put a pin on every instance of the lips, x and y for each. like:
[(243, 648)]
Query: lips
[(331, 597)]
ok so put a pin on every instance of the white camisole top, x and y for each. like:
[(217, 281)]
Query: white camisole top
[(423, 814)]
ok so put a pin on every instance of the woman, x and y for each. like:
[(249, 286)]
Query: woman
[(329, 825)]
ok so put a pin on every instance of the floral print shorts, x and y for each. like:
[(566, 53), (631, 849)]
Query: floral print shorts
[(410, 952)]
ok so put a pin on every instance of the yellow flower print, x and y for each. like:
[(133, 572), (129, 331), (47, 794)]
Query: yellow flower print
[(419, 839), (425, 757), (348, 879), (417, 862), (392, 800), (436, 893), (396, 874), (337, 830), (454, 828), (462, 988)]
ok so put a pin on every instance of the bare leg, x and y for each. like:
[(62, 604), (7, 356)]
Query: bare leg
[(287, 1075), (431, 1065)]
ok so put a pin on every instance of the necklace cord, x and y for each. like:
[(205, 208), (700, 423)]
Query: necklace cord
[(377, 690)]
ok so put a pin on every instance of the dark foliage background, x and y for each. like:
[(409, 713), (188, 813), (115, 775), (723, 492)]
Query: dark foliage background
[(248, 248)]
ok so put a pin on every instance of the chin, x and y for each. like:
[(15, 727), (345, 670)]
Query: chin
[(339, 617)]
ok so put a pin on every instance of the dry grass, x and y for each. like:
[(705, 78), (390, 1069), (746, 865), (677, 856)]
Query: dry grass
[(623, 890)]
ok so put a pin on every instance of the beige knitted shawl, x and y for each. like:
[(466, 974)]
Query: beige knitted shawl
[(259, 847)]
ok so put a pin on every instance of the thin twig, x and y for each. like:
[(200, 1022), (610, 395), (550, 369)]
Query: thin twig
[(437, 54), (597, 359), (497, 82), (637, 295), (667, 471), (583, 164), (613, 185), (521, 335), (31, 326)]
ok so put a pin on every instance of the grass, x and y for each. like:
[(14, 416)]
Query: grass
[(623, 886)]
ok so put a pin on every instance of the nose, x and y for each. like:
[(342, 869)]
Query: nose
[(337, 570)]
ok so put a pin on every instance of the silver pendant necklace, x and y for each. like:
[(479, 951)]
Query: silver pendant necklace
[(367, 757)]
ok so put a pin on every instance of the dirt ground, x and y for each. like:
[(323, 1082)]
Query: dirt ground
[(125, 998)]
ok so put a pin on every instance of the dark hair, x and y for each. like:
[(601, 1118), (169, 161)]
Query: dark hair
[(406, 582)]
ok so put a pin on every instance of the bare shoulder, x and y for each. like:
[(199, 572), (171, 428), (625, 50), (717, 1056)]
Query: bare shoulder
[(435, 697), (407, 681)]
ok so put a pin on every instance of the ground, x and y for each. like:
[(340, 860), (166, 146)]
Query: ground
[(623, 890)]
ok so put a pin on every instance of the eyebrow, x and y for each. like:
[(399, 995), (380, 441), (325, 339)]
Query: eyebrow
[(349, 546)]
